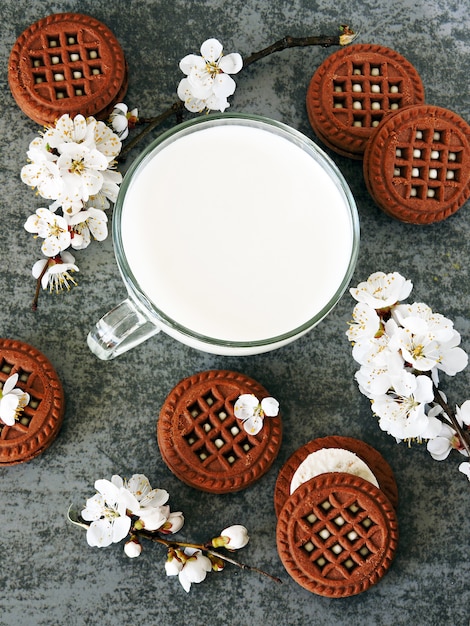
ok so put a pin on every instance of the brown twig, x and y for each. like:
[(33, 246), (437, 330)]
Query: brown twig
[(294, 42), (152, 123)]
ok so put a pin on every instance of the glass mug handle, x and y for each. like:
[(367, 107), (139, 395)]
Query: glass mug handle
[(119, 330)]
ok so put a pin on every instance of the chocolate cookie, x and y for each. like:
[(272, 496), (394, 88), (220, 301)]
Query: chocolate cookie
[(354, 89), (337, 535), (40, 420), (417, 164), (373, 459), (202, 441), (67, 63)]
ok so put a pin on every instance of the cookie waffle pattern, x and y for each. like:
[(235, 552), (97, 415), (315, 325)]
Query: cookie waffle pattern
[(417, 164), (41, 419), (354, 89), (67, 63), (376, 462), (202, 441), (337, 535)]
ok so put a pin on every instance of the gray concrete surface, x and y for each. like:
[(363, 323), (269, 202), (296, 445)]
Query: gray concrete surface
[(49, 575)]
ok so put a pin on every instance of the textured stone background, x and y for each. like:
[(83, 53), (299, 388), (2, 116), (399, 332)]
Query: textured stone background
[(48, 574)]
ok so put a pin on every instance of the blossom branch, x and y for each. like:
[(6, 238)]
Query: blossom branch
[(205, 548), (400, 349), (345, 37), (130, 510)]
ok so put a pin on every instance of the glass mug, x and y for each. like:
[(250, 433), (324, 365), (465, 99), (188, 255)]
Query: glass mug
[(233, 234)]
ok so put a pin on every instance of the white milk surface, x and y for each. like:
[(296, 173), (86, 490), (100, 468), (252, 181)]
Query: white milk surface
[(236, 233)]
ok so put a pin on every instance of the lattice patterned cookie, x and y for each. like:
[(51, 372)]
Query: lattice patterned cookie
[(202, 441), (67, 63), (337, 535), (40, 421), (417, 164), (354, 89)]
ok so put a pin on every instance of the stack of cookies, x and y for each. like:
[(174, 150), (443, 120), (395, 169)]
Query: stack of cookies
[(367, 102), (337, 529)]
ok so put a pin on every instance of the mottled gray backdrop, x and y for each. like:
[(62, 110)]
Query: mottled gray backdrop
[(49, 576)]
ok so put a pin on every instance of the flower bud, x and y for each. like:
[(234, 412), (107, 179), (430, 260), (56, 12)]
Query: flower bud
[(132, 547), (233, 538), (173, 564), (217, 563), (195, 568), (174, 523)]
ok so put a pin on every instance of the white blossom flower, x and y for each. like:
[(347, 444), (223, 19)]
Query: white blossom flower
[(251, 411), (104, 140), (111, 181), (146, 503), (420, 319), (66, 130), (87, 224), (195, 105), (439, 447), (42, 172), (69, 200), (107, 512), (12, 400), (382, 290), (234, 537), (365, 325), (447, 439), (373, 351), (57, 276), (52, 228), (139, 486), (194, 569), (404, 417), (376, 379), (452, 359), (208, 83), (424, 353), (121, 119), (81, 167)]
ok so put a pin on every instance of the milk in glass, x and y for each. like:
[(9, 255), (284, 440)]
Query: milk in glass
[(236, 233)]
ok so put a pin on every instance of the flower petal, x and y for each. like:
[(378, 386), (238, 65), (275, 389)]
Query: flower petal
[(121, 527), (223, 86), (245, 406), (8, 406), (232, 63), (211, 50), (270, 406), (253, 424), (9, 384), (191, 61)]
